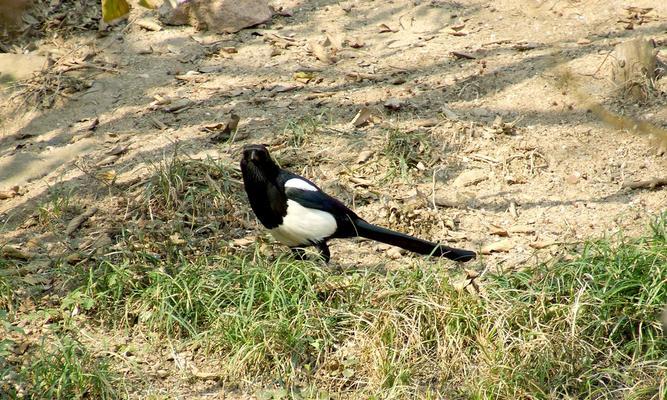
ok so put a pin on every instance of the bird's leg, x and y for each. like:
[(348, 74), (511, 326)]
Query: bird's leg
[(324, 252), (299, 253)]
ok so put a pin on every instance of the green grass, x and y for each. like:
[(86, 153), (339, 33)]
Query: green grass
[(59, 369), (586, 328), (299, 131), (583, 328)]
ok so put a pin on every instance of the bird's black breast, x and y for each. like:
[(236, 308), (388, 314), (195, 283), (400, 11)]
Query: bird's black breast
[(267, 200)]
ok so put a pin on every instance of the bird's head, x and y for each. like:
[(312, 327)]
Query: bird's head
[(256, 158)]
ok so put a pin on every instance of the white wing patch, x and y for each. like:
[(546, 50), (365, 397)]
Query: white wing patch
[(300, 184), (302, 225)]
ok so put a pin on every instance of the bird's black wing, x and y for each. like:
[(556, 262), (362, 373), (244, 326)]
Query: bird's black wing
[(318, 200)]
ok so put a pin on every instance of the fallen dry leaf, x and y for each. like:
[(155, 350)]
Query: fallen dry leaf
[(333, 41), (7, 194), (107, 176), (304, 76), (149, 24), (227, 129), (176, 239), (76, 222), (471, 273), (108, 160), (497, 247), (498, 231), (178, 105), (112, 10), (522, 229), (361, 181), (13, 252), (384, 28), (364, 156), (458, 27), (321, 53), (541, 244), (525, 46), (362, 117), (355, 43), (462, 54), (470, 177), (243, 242), (118, 150), (454, 32)]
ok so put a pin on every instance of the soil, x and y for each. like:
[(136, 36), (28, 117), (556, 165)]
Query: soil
[(499, 157)]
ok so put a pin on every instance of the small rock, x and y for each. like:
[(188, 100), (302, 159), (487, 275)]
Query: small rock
[(394, 103), (449, 114), (573, 178), (143, 48), (395, 253), (220, 16), (364, 156)]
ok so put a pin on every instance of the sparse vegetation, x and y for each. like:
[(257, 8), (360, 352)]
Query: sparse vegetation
[(59, 369), (583, 328), (300, 130), (405, 150)]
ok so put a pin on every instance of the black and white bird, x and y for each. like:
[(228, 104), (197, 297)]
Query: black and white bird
[(299, 214)]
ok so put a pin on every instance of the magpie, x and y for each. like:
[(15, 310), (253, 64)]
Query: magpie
[(299, 214)]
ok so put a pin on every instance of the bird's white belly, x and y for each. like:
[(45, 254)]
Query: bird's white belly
[(303, 226)]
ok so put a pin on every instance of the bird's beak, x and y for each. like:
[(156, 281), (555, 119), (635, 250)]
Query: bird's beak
[(254, 157)]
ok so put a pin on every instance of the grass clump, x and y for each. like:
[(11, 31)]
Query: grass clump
[(585, 328), (61, 369), (299, 131), (250, 307), (198, 195), (188, 207), (405, 150)]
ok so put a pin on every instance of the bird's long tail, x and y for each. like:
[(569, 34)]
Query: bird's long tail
[(411, 243)]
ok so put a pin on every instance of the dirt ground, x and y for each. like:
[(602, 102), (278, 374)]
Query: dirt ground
[(498, 157)]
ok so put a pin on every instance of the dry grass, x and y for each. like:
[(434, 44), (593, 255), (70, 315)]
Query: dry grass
[(586, 328)]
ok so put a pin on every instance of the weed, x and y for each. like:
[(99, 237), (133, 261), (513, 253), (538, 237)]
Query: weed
[(405, 150), (190, 205), (298, 131), (58, 207), (64, 369)]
